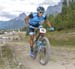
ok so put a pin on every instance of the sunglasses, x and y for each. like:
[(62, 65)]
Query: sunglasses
[(40, 12)]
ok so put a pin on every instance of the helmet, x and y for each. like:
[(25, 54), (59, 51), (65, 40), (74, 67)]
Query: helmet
[(40, 9)]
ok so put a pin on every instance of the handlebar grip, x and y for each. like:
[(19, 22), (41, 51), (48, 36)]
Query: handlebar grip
[(51, 29)]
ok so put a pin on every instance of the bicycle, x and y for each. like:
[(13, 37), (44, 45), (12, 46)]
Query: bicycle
[(42, 47)]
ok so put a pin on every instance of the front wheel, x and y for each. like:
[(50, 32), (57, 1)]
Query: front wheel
[(44, 52)]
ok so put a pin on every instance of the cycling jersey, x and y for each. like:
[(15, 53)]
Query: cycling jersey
[(35, 20)]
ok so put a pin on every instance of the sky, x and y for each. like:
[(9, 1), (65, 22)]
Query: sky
[(12, 8)]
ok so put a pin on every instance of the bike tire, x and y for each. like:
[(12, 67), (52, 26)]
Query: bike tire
[(46, 51)]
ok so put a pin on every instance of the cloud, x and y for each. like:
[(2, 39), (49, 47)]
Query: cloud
[(6, 14), (12, 8)]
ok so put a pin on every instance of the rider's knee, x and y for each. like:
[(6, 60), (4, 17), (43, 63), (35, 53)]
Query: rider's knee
[(31, 33), (32, 37)]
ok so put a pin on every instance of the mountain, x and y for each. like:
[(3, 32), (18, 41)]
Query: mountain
[(13, 24), (21, 16), (18, 22), (52, 10)]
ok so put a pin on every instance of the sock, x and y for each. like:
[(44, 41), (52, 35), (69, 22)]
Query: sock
[(31, 47)]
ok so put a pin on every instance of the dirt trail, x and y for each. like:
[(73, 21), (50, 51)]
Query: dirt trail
[(60, 58)]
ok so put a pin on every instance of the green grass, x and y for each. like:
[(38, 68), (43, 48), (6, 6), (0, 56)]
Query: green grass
[(7, 55), (62, 38), (58, 38), (62, 42)]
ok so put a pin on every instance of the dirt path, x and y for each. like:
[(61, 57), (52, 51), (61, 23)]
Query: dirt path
[(60, 58)]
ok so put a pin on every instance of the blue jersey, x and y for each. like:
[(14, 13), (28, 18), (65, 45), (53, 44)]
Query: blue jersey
[(35, 19)]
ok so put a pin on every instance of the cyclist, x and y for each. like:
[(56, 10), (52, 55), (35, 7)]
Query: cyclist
[(33, 21)]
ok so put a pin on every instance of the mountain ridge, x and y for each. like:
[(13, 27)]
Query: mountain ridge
[(18, 22)]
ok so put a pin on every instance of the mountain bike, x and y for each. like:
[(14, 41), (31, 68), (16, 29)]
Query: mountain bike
[(42, 47)]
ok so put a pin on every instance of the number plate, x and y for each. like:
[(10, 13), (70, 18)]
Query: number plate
[(42, 30)]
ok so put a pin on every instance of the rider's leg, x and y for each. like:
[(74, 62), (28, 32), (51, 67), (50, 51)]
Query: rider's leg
[(31, 33), (31, 42)]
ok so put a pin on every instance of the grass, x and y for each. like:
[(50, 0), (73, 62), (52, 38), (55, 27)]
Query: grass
[(57, 38), (62, 38), (63, 42), (6, 54), (6, 59)]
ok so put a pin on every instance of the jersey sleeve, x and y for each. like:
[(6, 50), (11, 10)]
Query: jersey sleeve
[(45, 17), (31, 15)]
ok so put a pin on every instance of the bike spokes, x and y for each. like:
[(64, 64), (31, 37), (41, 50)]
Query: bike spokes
[(43, 56)]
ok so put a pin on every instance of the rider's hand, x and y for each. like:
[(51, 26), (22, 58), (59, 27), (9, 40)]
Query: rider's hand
[(51, 29), (40, 26)]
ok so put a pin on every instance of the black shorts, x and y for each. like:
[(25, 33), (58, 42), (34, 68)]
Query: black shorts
[(32, 30)]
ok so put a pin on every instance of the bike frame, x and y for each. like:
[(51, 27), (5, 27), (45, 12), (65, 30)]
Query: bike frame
[(41, 33)]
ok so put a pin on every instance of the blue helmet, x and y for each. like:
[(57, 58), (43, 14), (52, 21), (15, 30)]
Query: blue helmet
[(40, 9)]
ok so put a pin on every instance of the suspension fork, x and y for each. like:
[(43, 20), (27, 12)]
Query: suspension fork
[(37, 37), (40, 35)]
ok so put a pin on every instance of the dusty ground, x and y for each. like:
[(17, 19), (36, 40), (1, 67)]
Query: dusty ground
[(61, 58)]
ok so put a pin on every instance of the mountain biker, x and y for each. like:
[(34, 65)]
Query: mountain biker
[(33, 21)]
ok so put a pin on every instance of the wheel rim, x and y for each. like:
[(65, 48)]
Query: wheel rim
[(42, 56)]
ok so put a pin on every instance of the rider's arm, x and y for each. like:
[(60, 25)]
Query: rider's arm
[(47, 22), (26, 19)]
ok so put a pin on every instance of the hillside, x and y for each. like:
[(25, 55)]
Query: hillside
[(13, 24)]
